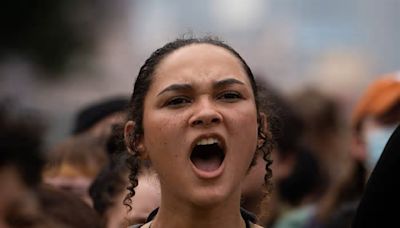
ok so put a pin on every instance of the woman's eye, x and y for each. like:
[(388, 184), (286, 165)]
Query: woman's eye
[(177, 101), (230, 96)]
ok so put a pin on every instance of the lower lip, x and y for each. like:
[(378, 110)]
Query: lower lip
[(209, 174)]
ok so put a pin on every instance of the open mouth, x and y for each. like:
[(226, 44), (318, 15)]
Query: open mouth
[(207, 155)]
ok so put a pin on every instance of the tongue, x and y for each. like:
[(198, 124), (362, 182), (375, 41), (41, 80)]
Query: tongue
[(208, 165)]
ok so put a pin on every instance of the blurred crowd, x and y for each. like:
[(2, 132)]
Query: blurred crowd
[(321, 162), (325, 145)]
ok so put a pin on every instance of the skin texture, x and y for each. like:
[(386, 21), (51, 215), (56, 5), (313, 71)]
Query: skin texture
[(198, 91)]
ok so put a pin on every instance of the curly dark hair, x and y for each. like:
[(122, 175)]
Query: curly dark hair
[(141, 87)]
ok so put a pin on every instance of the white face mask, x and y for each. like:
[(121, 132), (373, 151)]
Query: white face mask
[(376, 140)]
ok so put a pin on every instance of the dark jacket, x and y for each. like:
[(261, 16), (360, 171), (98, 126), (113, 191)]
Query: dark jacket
[(379, 205)]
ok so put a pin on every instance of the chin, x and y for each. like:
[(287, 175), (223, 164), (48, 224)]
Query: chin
[(209, 198)]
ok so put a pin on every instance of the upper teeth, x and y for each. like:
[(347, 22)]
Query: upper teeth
[(207, 141)]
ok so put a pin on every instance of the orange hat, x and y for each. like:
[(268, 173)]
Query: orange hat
[(382, 95)]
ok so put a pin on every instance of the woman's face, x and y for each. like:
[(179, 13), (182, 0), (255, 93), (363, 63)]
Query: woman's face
[(200, 125)]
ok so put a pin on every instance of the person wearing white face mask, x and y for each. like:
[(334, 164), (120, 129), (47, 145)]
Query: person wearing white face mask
[(375, 118), (375, 139)]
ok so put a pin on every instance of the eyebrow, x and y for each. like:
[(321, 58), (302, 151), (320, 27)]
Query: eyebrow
[(176, 87), (227, 82), (217, 85)]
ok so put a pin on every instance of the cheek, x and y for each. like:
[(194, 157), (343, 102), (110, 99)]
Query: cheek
[(162, 134), (244, 125), (243, 128)]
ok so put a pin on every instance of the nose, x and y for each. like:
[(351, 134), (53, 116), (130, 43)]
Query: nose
[(205, 114)]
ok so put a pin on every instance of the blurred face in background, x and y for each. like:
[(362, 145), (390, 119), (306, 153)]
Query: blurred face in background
[(375, 134), (73, 164), (375, 118), (70, 178), (147, 198)]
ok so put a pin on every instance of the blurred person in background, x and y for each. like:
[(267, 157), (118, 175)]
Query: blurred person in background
[(109, 188), (375, 116), (20, 166), (295, 170), (99, 116), (73, 164), (25, 202), (381, 193), (299, 192), (325, 130), (66, 209)]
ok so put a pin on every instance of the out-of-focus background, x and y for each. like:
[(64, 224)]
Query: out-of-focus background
[(58, 56)]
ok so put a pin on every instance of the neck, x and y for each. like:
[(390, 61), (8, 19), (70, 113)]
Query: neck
[(180, 214)]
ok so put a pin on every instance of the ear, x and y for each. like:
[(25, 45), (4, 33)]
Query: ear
[(263, 121), (262, 129), (133, 141)]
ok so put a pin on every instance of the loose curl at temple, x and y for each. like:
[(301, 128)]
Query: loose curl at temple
[(141, 87)]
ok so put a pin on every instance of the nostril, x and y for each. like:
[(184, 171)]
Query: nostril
[(197, 122), (215, 120)]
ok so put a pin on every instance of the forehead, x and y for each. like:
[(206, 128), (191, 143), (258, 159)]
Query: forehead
[(199, 61)]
